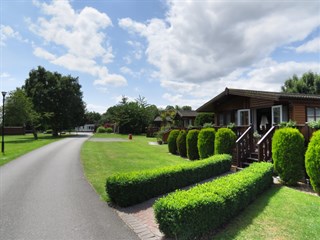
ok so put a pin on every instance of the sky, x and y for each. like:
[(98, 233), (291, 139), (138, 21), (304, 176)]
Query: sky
[(169, 52)]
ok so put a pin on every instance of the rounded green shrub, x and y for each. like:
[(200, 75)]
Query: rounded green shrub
[(288, 154), (172, 141), (206, 142), (192, 144), (225, 141), (312, 161), (182, 144), (109, 130), (101, 129)]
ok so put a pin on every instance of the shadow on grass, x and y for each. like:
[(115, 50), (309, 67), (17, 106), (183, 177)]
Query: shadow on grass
[(26, 139), (245, 218)]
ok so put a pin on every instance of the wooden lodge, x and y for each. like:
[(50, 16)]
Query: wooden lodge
[(261, 112)]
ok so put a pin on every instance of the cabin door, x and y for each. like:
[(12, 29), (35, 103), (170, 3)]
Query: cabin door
[(263, 120)]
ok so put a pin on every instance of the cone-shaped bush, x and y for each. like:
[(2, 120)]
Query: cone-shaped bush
[(172, 141), (312, 161), (288, 154), (182, 144), (192, 146), (206, 142), (225, 141)]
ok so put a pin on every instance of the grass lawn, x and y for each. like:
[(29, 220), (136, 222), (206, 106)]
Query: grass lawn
[(101, 159), (280, 213), (16, 146)]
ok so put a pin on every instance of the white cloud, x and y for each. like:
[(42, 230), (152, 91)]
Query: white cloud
[(209, 43), (96, 108), (42, 53), (80, 37), (312, 46), (7, 32)]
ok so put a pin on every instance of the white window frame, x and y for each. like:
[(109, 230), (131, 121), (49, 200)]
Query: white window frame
[(239, 116), (272, 113)]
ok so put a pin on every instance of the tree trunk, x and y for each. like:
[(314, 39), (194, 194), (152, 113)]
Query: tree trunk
[(35, 134)]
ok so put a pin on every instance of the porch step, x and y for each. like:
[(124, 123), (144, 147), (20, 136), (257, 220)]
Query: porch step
[(251, 159)]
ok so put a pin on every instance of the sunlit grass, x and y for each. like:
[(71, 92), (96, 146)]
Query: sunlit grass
[(280, 213), (101, 159), (16, 146)]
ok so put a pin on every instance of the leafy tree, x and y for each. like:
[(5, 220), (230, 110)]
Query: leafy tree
[(203, 118), (57, 98), (19, 111), (92, 117), (186, 108), (309, 83)]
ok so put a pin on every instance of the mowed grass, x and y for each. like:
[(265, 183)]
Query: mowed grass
[(102, 159), (16, 146), (280, 213)]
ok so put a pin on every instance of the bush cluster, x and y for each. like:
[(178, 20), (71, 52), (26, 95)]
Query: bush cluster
[(312, 161), (172, 141), (225, 141), (192, 147), (206, 142), (101, 129), (126, 189), (181, 143), (109, 130), (288, 154), (186, 214), (203, 118)]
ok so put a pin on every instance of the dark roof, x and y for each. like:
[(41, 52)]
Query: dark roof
[(183, 113), (273, 96)]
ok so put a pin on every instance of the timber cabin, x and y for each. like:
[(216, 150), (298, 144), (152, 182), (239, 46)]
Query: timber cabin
[(185, 118), (261, 111)]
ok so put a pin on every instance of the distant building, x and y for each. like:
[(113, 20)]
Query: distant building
[(85, 128)]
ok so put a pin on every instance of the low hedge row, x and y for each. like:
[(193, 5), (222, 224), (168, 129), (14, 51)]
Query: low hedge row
[(125, 189), (186, 214)]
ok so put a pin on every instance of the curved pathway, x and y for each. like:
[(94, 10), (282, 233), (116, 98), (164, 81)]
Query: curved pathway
[(44, 195)]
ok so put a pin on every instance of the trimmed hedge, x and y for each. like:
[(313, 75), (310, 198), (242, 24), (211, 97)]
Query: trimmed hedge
[(206, 142), (225, 141), (192, 144), (172, 141), (186, 214), (312, 161), (127, 189), (288, 154), (101, 129), (182, 144)]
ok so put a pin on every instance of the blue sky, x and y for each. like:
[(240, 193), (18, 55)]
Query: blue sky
[(170, 52)]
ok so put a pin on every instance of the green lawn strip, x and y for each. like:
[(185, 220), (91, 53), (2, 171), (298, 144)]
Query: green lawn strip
[(102, 159), (16, 146), (280, 213)]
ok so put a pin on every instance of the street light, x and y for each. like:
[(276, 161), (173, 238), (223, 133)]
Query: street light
[(3, 98)]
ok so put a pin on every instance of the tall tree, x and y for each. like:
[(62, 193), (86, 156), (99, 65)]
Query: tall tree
[(57, 98), (19, 111), (92, 117), (309, 83)]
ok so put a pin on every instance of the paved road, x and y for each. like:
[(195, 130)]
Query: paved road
[(44, 195)]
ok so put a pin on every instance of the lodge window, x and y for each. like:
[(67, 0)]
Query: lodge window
[(313, 114), (244, 117), (276, 114)]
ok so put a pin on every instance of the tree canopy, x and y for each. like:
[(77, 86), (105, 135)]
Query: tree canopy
[(19, 109), (309, 83), (57, 98)]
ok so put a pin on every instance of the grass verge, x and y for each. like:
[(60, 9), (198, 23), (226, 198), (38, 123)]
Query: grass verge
[(102, 159), (280, 213), (16, 146)]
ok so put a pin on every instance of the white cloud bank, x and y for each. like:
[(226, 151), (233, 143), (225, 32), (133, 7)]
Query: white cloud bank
[(203, 46), (80, 37)]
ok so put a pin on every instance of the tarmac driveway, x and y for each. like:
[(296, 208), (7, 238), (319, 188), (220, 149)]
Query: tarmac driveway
[(44, 195)]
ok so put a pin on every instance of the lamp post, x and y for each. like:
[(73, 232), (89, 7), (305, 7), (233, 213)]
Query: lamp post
[(3, 98)]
